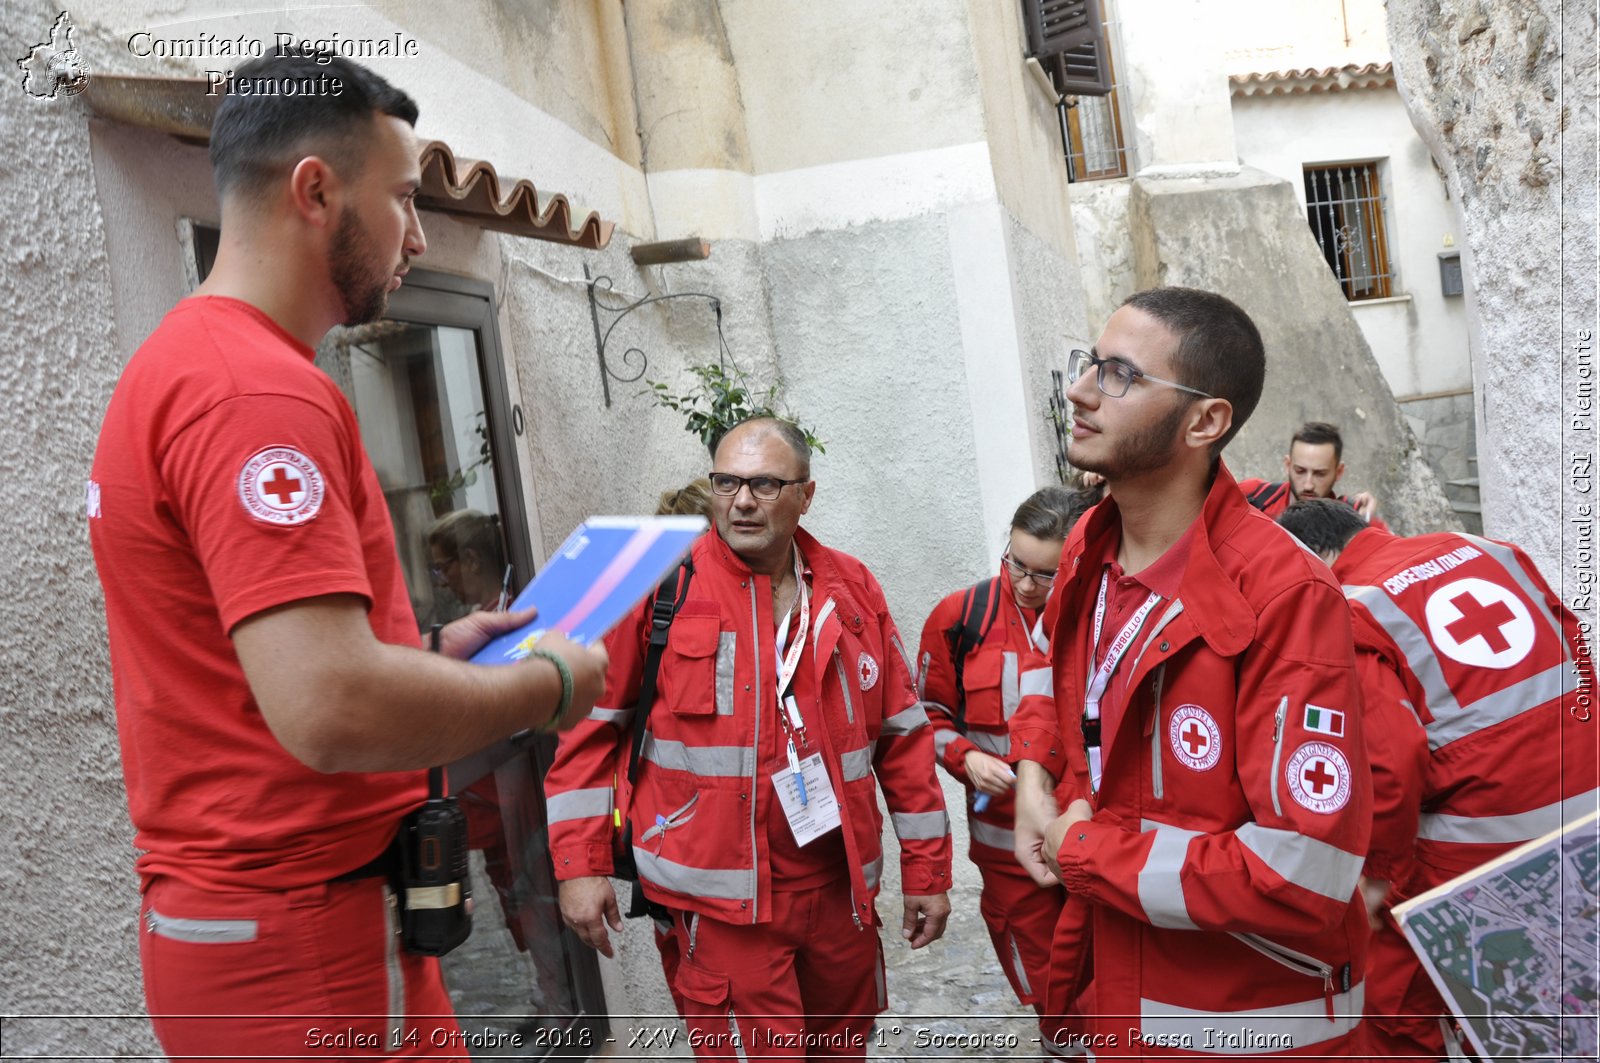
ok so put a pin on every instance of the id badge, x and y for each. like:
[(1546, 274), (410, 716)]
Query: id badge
[(808, 800)]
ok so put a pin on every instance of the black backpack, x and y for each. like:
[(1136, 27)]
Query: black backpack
[(979, 607)]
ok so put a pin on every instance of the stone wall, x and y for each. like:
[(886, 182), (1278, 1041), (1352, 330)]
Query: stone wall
[(1503, 93)]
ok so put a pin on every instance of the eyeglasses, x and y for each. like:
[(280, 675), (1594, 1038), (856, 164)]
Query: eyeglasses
[(438, 571), (1019, 573), (766, 488), (1114, 376)]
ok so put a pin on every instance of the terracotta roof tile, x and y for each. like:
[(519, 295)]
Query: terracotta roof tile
[(1310, 79)]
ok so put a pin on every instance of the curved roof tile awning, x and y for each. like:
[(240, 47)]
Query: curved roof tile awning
[(1309, 80), (461, 188), (471, 189)]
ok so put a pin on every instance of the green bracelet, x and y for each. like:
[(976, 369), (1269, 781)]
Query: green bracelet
[(566, 689)]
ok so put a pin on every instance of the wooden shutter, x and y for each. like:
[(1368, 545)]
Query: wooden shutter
[(1068, 39)]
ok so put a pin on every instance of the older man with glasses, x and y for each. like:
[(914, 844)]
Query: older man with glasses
[(783, 691)]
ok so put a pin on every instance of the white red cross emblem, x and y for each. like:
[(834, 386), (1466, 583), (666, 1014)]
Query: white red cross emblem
[(868, 669), (1195, 737), (1318, 776), (280, 485), (1479, 624)]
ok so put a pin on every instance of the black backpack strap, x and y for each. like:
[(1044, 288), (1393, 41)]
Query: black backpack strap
[(1262, 496), (668, 600), (979, 608)]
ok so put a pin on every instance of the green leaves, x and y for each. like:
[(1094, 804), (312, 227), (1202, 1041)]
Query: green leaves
[(718, 401)]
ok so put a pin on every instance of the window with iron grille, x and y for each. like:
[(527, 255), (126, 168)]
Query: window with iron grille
[(1071, 39), (1344, 204)]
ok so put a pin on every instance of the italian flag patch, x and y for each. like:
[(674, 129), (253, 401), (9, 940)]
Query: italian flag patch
[(1324, 721)]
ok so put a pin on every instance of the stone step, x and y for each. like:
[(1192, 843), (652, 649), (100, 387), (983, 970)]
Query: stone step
[(1467, 507), (1470, 481)]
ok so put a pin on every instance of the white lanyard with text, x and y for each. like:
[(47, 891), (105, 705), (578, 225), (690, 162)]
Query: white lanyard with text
[(1036, 634), (1102, 676), (789, 664)]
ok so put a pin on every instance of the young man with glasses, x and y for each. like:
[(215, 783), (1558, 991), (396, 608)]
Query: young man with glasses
[(992, 626), (783, 692), (1214, 825)]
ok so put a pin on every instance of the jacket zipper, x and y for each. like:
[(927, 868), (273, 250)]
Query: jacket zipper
[(666, 823), (1309, 966), (844, 687), (694, 928), (1277, 751), (1156, 788), (755, 767)]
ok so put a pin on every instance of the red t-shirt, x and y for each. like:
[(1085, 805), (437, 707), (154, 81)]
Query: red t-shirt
[(1124, 596), (230, 478)]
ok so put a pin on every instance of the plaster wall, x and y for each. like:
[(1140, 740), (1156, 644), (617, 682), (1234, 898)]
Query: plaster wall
[(1101, 224), (1268, 35), (1246, 238), (1504, 96), (1421, 340), (1176, 107)]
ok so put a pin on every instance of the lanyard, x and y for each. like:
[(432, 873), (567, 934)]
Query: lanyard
[(1036, 633), (1102, 676), (789, 663)]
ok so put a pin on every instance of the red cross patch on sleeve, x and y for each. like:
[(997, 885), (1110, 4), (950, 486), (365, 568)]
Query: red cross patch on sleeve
[(279, 485)]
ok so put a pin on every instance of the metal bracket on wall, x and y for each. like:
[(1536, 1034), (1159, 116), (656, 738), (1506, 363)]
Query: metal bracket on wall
[(1058, 410), (632, 356)]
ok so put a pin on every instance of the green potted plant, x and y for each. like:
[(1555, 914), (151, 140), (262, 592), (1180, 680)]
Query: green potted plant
[(719, 400)]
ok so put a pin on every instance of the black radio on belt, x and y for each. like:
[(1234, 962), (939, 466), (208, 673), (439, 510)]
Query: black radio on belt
[(434, 888)]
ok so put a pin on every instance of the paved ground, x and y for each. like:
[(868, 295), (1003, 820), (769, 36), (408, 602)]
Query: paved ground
[(947, 1001)]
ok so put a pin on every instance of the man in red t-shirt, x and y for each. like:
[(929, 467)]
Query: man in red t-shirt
[(1314, 465), (275, 709)]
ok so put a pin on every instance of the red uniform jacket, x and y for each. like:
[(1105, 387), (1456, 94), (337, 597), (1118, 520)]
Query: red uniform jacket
[(1273, 498), (1487, 655), (994, 681), (702, 801), (1221, 863)]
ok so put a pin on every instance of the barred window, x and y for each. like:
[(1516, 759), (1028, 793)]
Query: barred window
[(1344, 204), (1072, 41)]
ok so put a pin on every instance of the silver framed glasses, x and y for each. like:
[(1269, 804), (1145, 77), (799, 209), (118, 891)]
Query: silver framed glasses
[(1021, 572), (1114, 376)]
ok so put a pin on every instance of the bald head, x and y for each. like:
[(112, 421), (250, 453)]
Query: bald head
[(754, 428)]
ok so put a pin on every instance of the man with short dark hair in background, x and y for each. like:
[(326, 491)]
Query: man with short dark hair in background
[(1213, 831), (1314, 464), (1487, 655), (783, 692), (275, 708)]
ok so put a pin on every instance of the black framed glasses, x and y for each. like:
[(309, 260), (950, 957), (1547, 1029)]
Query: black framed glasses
[(1020, 573), (1114, 376), (765, 488)]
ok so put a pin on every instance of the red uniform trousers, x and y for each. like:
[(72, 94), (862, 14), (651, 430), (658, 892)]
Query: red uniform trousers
[(304, 973), (1403, 1008), (805, 985), (1021, 917)]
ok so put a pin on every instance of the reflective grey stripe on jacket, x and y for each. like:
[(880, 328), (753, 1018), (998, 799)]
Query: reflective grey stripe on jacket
[(1501, 830), (990, 835), (872, 872), (722, 761), (905, 721), (998, 745), (855, 764), (918, 826), (727, 645), (617, 717), (1037, 681), (941, 741), (1160, 884), (1453, 720), (730, 885), (579, 804), (1258, 1030), (1010, 683), (1305, 861)]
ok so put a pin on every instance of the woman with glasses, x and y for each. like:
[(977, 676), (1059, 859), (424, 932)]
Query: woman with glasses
[(970, 678)]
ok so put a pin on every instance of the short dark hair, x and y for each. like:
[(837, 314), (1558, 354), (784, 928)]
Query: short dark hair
[(1050, 512), (1316, 433), (258, 135), (788, 431), (1219, 347), (1325, 525)]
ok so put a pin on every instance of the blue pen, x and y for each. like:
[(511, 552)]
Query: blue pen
[(980, 803)]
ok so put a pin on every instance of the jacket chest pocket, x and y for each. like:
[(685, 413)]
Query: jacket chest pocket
[(989, 686), (697, 667)]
